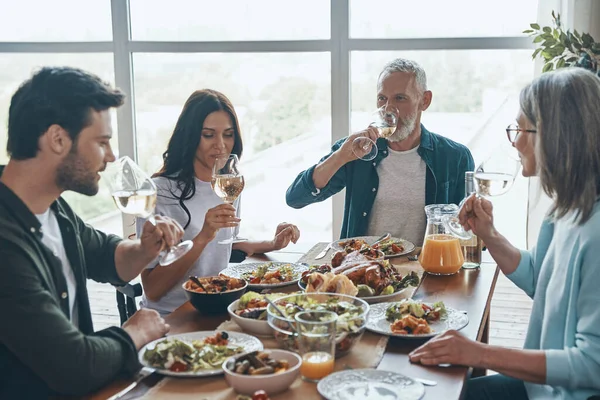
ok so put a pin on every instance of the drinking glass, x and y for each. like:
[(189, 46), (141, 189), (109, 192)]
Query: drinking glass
[(228, 183), (316, 343), (134, 193), (385, 119), (493, 177)]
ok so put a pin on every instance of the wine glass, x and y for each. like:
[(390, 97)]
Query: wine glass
[(385, 119), (493, 177), (228, 183), (134, 193)]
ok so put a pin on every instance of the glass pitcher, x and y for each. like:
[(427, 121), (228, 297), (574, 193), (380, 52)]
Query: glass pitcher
[(441, 253)]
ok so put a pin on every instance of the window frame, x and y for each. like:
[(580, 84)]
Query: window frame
[(339, 46)]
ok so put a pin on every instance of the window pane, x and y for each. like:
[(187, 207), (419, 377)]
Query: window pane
[(56, 21), (440, 18), (475, 96), (207, 20), (283, 104), (14, 69)]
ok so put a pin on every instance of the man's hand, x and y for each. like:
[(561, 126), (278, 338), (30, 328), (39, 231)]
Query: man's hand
[(145, 326), (345, 151), (221, 216), (284, 234), (166, 233)]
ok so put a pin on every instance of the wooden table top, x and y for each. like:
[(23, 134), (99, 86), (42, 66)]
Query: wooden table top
[(469, 290)]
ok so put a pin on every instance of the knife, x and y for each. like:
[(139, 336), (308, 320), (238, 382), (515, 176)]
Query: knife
[(143, 374), (324, 252)]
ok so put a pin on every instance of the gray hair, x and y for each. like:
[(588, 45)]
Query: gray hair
[(564, 105), (404, 65)]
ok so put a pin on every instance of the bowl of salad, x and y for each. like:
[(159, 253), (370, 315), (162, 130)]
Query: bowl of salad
[(351, 323), (212, 294), (249, 312)]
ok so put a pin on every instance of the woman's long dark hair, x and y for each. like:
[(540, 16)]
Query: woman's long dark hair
[(178, 159)]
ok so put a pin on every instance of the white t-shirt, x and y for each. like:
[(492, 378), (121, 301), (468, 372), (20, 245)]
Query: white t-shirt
[(400, 200), (213, 259), (52, 238)]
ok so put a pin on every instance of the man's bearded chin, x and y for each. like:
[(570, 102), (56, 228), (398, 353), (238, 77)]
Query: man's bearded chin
[(403, 131)]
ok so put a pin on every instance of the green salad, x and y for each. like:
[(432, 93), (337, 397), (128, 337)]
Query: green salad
[(417, 309), (180, 356)]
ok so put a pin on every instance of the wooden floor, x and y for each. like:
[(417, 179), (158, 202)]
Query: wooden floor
[(509, 315)]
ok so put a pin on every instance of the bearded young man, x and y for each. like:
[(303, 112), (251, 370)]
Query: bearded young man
[(413, 168), (59, 133)]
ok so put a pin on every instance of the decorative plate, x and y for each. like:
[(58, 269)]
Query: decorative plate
[(408, 246), (376, 322), (237, 271), (369, 384), (247, 342)]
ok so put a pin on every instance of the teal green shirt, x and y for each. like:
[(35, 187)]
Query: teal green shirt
[(446, 161), (562, 275)]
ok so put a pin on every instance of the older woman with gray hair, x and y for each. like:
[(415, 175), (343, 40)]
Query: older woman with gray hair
[(558, 139)]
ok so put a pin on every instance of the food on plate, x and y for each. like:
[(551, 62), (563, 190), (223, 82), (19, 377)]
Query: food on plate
[(356, 256), (253, 305), (214, 284), (323, 269), (266, 274), (258, 363), (413, 317), (390, 247), (330, 283), (180, 356)]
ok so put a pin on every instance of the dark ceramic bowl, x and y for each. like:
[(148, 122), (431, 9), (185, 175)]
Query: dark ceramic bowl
[(212, 303)]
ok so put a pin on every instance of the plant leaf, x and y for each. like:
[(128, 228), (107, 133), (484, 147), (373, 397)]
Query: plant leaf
[(560, 63), (572, 59), (547, 67), (577, 35), (535, 26), (528, 31), (547, 29), (538, 39), (536, 52)]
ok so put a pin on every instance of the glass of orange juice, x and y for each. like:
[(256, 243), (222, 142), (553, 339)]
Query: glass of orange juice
[(316, 343)]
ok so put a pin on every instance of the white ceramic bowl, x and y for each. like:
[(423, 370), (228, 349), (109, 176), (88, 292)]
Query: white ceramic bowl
[(249, 325), (273, 383)]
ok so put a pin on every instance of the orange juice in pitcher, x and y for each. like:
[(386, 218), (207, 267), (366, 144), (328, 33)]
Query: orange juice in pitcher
[(441, 253)]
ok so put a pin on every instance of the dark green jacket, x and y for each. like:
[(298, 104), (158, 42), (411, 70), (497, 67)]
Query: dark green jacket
[(446, 160), (41, 352)]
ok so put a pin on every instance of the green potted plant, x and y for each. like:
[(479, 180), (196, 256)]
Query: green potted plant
[(562, 48)]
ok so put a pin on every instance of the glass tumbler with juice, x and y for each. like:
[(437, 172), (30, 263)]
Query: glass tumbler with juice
[(316, 342)]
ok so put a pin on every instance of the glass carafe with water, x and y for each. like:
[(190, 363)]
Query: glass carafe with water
[(442, 253)]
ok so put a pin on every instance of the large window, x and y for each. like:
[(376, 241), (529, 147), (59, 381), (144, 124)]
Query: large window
[(283, 104), (300, 76)]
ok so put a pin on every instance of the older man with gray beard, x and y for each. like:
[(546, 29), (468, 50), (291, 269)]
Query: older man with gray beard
[(413, 167)]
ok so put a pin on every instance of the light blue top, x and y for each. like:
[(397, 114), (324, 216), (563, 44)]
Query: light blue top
[(562, 275)]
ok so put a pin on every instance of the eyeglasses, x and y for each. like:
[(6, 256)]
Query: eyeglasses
[(513, 130)]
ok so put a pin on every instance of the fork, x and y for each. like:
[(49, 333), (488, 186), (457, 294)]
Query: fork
[(143, 374)]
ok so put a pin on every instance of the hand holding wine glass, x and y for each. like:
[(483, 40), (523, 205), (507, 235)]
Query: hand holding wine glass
[(228, 183), (385, 120), (134, 193)]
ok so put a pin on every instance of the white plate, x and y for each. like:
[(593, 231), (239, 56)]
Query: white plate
[(236, 271), (377, 323), (247, 342), (371, 299), (408, 246), (369, 384)]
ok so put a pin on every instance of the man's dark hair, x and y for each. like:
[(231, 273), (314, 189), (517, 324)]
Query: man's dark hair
[(55, 95)]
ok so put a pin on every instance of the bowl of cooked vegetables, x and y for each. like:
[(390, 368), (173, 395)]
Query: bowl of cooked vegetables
[(212, 294), (352, 315), (271, 370), (249, 312)]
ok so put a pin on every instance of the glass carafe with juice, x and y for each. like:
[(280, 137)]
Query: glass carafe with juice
[(441, 253)]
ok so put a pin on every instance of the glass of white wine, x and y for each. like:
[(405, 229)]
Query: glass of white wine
[(493, 177), (385, 119), (134, 193), (228, 183)]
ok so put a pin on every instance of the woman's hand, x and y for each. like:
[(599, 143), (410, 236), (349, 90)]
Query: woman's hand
[(476, 214), (449, 348), (284, 234), (221, 216)]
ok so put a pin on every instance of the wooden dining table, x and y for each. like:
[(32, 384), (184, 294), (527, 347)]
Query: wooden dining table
[(468, 290)]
